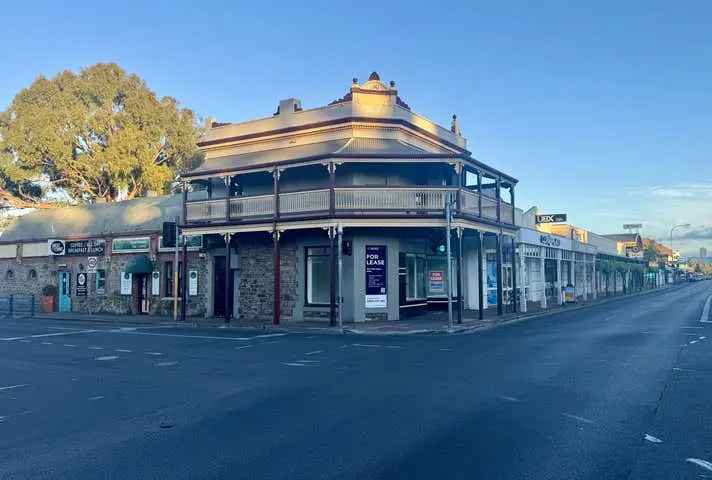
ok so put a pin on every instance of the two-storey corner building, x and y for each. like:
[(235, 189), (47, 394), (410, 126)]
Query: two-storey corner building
[(346, 205)]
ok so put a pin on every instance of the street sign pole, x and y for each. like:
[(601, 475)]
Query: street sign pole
[(175, 276), (448, 218)]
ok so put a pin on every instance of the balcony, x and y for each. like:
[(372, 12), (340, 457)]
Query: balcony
[(354, 201)]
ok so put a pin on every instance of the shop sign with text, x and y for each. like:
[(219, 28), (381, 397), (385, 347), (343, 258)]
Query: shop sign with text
[(376, 276)]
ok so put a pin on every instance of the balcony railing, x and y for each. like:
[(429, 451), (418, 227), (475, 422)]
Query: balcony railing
[(397, 201)]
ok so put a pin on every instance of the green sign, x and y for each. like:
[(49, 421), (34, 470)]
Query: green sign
[(131, 245)]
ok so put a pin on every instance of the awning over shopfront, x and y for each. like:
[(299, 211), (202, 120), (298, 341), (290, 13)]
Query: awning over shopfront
[(140, 264)]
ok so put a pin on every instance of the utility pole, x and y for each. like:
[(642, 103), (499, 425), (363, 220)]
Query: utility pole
[(672, 252), (340, 233), (448, 219), (175, 275)]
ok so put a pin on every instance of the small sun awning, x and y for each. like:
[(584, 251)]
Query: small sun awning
[(139, 264)]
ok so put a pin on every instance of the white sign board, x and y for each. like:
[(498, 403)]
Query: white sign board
[(155, 284), (92, 262), (193, 283), (125, 283)]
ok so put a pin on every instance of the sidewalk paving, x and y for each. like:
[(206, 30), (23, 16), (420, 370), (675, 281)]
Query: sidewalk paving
[(429, 323)]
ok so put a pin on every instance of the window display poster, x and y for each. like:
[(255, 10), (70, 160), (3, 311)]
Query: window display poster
[(125, 283), (437, 281), (193, 283), (155, 284), (376, 276), (491, 283)]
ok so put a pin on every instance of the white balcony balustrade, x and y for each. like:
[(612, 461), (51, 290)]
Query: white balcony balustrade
[(205, 211), (380, 199), (304, 202), (258, 206)]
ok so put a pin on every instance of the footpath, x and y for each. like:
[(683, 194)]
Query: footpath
[(428, 323)]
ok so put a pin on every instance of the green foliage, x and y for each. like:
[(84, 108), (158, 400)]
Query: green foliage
[(650, 254), (94, 134)]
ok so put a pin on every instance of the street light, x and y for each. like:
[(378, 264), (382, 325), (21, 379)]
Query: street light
[(672, 252)]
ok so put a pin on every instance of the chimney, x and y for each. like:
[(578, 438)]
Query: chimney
[(289, 106)]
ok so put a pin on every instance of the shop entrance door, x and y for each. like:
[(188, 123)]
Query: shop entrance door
[(550, 290), (141, 280), (219, 278), (65, 289)]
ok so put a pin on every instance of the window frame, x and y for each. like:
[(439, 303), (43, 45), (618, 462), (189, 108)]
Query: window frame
[(306, 273)]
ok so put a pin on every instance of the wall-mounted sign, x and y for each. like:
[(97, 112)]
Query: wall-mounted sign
[(92, 263), (155, 284), (81, 284), (551, 218), (376, 276), (549, 240), (76, 247), (130, 245), (193, 283), (125, 283), (437, 282)]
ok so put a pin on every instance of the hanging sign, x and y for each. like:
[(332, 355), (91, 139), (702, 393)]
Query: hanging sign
[(376, 277), (437, 283), (193, 283), (125, 283), (81, 284), (155, 284), (551, 218)]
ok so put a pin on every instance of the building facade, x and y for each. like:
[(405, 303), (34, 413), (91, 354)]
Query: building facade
[(105, 258), (340, 211)]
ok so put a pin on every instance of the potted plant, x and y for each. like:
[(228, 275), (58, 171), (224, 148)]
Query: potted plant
[(49, 292)]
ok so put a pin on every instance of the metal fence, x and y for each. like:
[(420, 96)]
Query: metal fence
[(18, 306)]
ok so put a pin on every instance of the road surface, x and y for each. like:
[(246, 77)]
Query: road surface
[(621, 390)]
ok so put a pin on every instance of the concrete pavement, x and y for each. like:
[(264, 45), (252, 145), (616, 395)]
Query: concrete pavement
[(617, 390)]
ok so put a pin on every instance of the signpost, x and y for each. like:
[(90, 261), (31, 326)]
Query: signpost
[(376, 277), (550, 218)]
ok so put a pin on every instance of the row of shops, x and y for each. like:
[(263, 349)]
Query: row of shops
[(334, 212)]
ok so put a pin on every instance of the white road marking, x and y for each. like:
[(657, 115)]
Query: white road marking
[(156, 354), (446, 349), (706, 311), (46, 343), (107, 357), (270, 343), (652, 439), (180, 335), (308, 361), (69, 345), (702, 337), (393, 346), (295, 364), (96, 348), (580, 419), (509, 399), (366, 345), (314, 352), (25, 341), (244, 346), (692, 327), (701, 463), (166, 364), (693, 341), (270, 335), (344, 346), (98, 397), (123, 350), (10, 387), (42, 335)]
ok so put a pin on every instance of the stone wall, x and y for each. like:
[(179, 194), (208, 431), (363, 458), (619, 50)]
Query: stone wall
[(256, 278)]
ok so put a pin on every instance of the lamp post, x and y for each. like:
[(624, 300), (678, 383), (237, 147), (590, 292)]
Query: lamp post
[(672, 251)]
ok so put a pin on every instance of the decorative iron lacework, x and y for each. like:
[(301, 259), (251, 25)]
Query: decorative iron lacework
[(531, 250), (566, 254), (552, 253)]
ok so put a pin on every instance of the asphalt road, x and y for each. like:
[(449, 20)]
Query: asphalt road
[(561, 397)]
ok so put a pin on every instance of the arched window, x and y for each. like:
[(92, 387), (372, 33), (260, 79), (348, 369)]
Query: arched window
[(32, 274), (9, 275)]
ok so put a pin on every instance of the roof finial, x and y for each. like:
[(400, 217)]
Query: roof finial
[(455, 126)]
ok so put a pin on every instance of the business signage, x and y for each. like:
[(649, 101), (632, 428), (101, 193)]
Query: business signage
[(632, 226), (193, 283), (155, 284), (549, 240), (376, 276), (550, 218), (76, 247), (92, 263), (129, 245), (126, 283), (81, 284), (437, 281)]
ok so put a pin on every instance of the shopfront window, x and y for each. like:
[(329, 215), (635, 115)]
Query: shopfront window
[(101, 282), (318, 275), (416, 275)]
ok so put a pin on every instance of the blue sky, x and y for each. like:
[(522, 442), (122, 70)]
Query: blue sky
[(603, 110)]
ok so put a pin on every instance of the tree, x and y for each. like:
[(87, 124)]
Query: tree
[(98, 134), (650, 253)]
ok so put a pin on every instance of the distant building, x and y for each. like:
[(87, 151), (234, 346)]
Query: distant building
[(703, 253), (629, 244)]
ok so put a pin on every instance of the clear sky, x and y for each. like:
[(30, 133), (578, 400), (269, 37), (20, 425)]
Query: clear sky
[(603, 110)]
